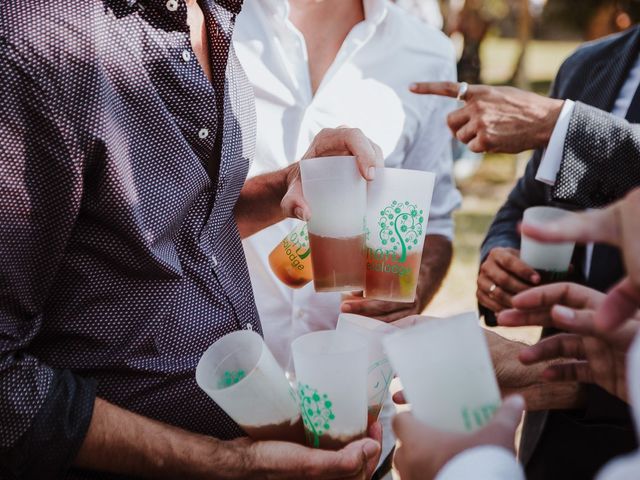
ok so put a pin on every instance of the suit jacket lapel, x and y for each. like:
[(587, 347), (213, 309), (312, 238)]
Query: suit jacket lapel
[(610, 73)]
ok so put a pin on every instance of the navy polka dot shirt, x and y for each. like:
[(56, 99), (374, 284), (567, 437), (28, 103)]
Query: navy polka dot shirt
[(120, 259)]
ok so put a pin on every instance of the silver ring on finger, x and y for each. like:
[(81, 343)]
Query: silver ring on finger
[(492, 289), (462, 91)]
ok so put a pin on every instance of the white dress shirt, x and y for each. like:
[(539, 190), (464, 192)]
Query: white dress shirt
[(495, 463), (367, 87), (552, 158)]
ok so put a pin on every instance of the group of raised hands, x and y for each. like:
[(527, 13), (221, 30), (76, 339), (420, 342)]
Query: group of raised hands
[(600, 330)]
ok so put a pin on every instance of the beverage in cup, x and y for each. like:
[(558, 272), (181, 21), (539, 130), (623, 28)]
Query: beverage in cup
[(550, 260), (331, 375), (379, 373), (337, 196), (241, 375), (398, 203), (446, 372), (290, 260)]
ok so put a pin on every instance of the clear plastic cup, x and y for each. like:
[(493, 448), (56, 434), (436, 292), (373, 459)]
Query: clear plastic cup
[(550, 260), (331, 374), (380, 373), (290, 260), (446, 372), (337, 196), (398, 203), (240, 374)]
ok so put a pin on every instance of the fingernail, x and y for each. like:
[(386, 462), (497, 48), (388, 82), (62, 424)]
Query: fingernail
[(413, 86), (299, 212), (371, 173), (370, 449), (346, 307), (535, 278), (515, 401), (564, 313)]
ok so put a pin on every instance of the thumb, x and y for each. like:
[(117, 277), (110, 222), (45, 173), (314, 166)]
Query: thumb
[(501, 430), (293, 203)]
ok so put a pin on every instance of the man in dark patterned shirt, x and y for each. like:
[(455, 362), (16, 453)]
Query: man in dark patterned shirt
[(126, 132)]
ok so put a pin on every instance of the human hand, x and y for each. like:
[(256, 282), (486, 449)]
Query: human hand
[(617, 225), (282, 460), (501, 276), (423, 451), (595, 356), (330, 142), (383, 310), (498, 119)]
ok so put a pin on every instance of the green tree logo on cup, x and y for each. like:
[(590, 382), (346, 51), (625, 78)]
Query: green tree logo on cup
[(401, 225), (316, 413), (301, 239)]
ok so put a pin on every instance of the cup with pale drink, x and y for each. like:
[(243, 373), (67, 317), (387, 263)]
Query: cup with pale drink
[(398, 203), (331, 375), (241, 375), (290, 260), (550, 260), (337, 195), (379, 373), (445, 369)]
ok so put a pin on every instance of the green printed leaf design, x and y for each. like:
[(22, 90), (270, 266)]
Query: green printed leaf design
[(300, 236), (317, 414), (231, 378), (401, 225)]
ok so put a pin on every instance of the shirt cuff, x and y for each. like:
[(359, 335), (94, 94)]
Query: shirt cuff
[(552, 157), (487, 462)]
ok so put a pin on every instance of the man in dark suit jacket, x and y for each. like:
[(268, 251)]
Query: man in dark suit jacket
[(598, 162)]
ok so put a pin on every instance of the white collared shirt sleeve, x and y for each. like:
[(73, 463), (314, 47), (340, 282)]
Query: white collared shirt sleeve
[(552, 157), (432, 152), (487, 462)]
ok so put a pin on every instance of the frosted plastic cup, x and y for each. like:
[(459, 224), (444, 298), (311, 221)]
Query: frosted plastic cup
[(398, 203), (380, 373), (337, 196), (241, 375), (290, 260), (550, 260), (331, 374), (446, 371)]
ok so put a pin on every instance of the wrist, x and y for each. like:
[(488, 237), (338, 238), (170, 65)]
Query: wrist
[(548, 123)]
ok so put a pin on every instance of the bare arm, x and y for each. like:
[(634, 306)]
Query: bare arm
[(123, 442), (271, 197), (514, 377), (146, 448), (259, 205)]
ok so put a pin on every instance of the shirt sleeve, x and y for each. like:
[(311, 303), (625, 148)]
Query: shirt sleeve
[(44, 412), (488, 462), (432, 151), (552, 157)]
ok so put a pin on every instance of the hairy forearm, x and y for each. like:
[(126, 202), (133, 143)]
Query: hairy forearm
[(259, 203), (436, 259), (122, 442), (514, 377)]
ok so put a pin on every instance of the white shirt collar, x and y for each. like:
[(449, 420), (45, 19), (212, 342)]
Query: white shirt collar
[(374, 10)]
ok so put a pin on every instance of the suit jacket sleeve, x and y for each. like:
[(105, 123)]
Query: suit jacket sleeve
[(601, 160)]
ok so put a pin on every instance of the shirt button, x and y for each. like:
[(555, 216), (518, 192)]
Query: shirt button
[(203, 133), (249, 327), (172, 5), (186, 56)]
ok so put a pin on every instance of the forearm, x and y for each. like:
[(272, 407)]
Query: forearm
[(122, 442), (259, 203), (513, 377), (436, 259)]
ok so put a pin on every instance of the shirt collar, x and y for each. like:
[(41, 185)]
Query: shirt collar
[(374, 10)]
